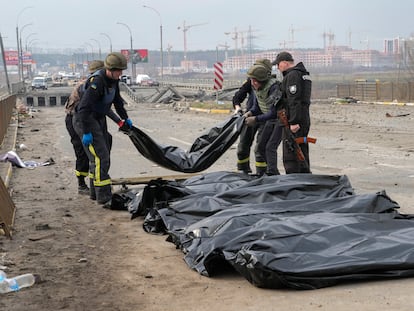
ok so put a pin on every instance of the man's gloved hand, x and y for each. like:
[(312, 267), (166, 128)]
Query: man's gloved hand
[(248, 114), (129, 122), (87, 139), (125, 125), (250, 121)]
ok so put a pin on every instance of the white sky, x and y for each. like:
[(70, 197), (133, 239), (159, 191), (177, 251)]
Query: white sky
[(73, 23)]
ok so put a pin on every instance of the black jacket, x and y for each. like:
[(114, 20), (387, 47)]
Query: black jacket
[(296, 89)]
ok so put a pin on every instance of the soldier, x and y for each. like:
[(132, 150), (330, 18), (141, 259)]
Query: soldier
[(82, 161), (248, 133), (263, 114), (101, 91)]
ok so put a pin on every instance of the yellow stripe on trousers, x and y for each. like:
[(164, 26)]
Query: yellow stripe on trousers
[(97, 180)]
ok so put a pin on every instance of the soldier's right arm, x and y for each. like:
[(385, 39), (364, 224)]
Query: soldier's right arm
[(242, 93)]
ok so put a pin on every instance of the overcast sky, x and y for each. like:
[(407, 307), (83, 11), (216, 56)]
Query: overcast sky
[(74, 23)]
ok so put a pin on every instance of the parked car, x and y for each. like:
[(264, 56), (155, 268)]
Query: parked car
[(126, 79), (146, 80), (149, 82), (39, 83)]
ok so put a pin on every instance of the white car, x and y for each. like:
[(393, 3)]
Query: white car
[(39, 83)]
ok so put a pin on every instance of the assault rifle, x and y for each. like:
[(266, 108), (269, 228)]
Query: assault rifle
[(292, 141)]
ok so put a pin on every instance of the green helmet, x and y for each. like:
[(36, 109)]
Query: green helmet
[(264, 62), (259, 72), (115, 61), (95, 65)]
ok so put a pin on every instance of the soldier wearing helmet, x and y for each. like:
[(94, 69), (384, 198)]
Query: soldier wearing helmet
[(82, 161), (101, 92), (248, 133), (263, 115)]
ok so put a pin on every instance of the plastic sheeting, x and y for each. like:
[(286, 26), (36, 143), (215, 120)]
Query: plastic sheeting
[(205, 150), (298, 231)]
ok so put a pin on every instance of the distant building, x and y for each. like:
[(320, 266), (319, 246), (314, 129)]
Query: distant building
[(330, 57), (194, 65)]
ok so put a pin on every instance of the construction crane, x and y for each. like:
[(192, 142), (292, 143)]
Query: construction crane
[(235, 37), (292, 34), (185, 28)]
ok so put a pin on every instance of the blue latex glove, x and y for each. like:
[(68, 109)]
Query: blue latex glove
[(129, 122), (87, 139)]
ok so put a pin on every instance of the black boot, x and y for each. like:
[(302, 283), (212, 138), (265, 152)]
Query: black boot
[(82, 187), (260, 171), (272, 172), (103, 194), (244, 168)]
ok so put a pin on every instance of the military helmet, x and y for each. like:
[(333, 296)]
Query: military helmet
[(95, 65), (264, 62), (115, 61), (259, 72)]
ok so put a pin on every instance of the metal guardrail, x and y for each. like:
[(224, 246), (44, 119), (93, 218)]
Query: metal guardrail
[(203, 84), (7, 105), (179, 83)]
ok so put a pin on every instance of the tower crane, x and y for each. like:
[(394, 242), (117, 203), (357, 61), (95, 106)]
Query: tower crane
[(185, 28), (235, 37), (292, 34)]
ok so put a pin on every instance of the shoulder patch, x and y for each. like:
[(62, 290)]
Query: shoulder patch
[(93, 85), (292, 89)]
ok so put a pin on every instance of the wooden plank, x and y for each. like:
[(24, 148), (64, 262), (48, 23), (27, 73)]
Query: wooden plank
[(147, 179), (7, 209)]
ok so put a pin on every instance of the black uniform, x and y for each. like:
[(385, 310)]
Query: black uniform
[(248, 133), (269, 132), (296, 89), (90, 117), (82, 161)]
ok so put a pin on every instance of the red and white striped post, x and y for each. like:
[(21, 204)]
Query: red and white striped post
[(218, 77)]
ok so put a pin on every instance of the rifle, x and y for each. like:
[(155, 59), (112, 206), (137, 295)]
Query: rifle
[(292, 141), (305, 140)]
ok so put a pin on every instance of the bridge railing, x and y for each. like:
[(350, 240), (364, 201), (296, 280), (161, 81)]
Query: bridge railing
[(7, 104)]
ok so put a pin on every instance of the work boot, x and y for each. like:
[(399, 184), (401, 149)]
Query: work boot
[(103, 194), (272, 172), (260, 171), (83, 189), (92, 192), (244, 168)]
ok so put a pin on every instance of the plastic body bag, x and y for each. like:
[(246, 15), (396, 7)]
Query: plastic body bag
[(299, 231), (205, 150)]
